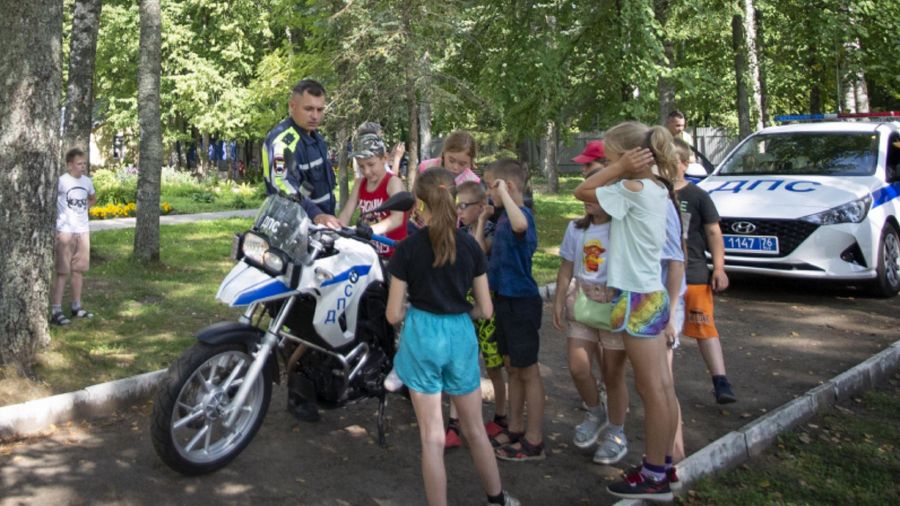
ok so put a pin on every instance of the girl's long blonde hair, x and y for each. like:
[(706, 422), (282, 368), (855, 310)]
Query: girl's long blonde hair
[(657, 139), (435, 188)]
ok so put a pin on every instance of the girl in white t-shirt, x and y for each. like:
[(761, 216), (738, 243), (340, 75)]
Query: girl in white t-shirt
[(583, 253), (638, 204)]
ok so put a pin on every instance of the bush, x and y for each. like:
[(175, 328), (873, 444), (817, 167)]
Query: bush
[(115, 186)]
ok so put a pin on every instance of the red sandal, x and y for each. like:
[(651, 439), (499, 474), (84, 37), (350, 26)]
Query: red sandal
[(525, 451), (508, 438)]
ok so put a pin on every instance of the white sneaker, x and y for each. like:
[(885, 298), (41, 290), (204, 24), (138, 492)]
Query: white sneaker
[(586, 432), (392, 382), (613, 448), (508, 500)]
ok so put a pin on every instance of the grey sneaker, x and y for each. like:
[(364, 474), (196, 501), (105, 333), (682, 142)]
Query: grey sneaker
[(586, 432), (612, 449), (508, 500)]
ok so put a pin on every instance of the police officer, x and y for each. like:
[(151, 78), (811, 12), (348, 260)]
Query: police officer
[(295, 160), (295, 156)]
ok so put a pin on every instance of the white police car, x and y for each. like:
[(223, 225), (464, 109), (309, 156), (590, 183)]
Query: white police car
[(814, 200)]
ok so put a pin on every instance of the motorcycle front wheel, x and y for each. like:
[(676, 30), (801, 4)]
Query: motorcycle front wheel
[(194, 401)]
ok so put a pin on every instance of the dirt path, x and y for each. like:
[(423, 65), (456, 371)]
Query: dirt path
[(780, 339)]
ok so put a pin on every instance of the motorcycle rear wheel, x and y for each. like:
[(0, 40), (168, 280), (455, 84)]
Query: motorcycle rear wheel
[(193, 402)]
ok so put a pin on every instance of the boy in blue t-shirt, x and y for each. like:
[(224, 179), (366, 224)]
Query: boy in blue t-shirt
[(517, 308)]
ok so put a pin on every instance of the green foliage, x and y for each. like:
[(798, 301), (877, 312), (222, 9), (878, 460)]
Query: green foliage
[(502, 69), (184, 192)]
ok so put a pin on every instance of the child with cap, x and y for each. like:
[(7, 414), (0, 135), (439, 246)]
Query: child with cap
[(372, 190), (592, 158)]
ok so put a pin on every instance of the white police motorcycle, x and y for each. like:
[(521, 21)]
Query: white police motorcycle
[(315, 301)]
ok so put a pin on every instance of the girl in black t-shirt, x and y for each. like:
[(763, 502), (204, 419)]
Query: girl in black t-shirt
[(438, 350)]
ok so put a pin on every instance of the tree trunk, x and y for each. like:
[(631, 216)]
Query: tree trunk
[(79, 92), (551, 168), (412, 147), (31, 38), (761, 50), (753, 60), (664, 85), (815, 91), (343, 163), (740, 65), (425, 109), (146, 233), (412, 106), (862, 93), (856, 96), (425, 127)]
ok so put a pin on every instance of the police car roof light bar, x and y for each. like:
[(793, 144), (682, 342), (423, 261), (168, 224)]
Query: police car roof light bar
[(835, 116)]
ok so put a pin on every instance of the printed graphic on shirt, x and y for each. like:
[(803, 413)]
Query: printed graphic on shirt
[(76, 199), (593, 255), (366, 206)]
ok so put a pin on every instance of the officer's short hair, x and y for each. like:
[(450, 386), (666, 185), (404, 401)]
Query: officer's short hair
[(310, 86), (676, 114)]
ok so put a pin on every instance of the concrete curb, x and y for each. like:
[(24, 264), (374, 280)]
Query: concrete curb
[(35, 416), (752, 439)]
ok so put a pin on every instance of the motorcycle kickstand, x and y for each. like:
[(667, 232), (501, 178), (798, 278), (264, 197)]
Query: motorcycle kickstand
[(382, 404)]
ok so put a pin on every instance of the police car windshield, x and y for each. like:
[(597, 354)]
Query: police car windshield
[(809, 154)]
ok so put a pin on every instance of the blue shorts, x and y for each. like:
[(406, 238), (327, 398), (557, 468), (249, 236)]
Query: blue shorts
[(438, 353)]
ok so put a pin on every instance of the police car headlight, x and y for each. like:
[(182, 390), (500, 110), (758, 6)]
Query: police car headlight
[(851, 212), (254, 247)]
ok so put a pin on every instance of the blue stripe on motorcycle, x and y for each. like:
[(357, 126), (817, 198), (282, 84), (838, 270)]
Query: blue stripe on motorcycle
[(358, 270), (885, 194), (273, 288)]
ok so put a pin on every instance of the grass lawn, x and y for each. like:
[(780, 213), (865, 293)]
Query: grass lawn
[(147, 315), (850, 455), (188, 204)]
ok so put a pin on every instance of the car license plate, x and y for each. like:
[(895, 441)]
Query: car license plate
[(751, 243)]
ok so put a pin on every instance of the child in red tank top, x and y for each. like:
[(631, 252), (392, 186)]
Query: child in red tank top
[(372, 190)]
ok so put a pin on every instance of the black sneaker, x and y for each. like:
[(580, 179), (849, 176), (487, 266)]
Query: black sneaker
[(636, 486), (724, 395)]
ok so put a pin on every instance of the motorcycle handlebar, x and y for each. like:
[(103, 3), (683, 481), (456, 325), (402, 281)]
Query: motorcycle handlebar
[(355, 233)]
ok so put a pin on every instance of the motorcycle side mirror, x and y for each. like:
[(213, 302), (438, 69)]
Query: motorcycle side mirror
[(401, 201)]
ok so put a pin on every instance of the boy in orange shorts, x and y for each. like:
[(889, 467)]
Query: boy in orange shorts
[(702, 234)]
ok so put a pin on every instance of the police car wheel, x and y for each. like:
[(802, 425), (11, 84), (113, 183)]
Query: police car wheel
[(887, 283)]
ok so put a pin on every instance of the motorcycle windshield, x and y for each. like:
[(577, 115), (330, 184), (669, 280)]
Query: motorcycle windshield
[(286, 225)]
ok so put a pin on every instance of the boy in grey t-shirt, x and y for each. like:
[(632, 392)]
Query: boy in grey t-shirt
[(75, 195)]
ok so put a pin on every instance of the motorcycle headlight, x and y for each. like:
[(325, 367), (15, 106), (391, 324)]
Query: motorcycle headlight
[(851, 212), (273, 261), (256, 251), (254, 247)]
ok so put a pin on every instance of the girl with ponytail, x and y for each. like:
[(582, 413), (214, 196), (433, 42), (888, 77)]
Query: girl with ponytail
[(438, 353), (639, 204)]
